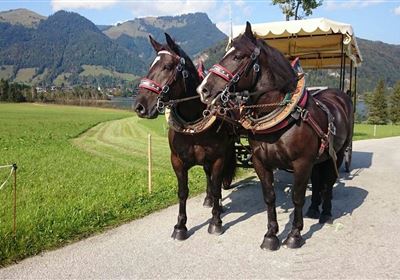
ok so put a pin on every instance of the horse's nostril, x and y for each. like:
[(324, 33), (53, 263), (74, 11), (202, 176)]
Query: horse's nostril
[(204, 90), (140, 109)]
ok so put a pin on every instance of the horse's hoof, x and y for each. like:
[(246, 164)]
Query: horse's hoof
[(180, 234), (215, 229), (325, 219), (313, 213), (227, 186), (293, 242), (208, 202), (270, 243)]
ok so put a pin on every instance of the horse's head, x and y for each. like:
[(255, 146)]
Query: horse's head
[(165, 80), (251, 65)]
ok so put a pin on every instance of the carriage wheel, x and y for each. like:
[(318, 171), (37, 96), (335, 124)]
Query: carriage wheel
[(347, 157)]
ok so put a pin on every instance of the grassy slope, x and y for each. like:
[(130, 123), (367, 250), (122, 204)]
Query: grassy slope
[(65, 192), (95, 70)]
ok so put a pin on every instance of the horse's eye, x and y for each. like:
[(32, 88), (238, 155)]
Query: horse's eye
[(237, 57), (168, 67)]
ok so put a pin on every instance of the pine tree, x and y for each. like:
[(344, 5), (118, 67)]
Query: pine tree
[(377, 105), (394, 113)]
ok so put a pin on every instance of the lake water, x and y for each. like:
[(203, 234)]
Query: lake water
[(122, 102)]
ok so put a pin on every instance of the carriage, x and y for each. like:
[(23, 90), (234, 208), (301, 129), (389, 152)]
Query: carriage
[(319, 43)]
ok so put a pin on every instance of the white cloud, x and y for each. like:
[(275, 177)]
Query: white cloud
[(174, 7), (81, 4), (351, 4), (224, 26), (397, 11)]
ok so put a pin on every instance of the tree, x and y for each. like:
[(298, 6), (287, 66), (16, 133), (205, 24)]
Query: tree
[(290, 8), (394, 111), (377, 105)]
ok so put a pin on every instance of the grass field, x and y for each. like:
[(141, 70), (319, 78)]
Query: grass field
[(366, 131), (69, 187), (25, 75), (82, 170), (94, 70)]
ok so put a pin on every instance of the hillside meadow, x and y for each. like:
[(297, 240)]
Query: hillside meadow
[(72, 181), (82, 170)]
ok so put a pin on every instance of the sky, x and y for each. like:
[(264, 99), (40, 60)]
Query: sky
[(371, 19)]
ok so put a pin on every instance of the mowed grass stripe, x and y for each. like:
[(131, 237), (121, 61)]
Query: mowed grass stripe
[(69, 187)]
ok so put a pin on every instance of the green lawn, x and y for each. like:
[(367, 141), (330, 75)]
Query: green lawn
[(366, 131), (69, 187)]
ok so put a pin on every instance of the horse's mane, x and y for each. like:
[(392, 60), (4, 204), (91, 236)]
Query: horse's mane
[(284, 76)]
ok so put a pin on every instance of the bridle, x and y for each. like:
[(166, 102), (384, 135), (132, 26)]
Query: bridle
[(163, 90), (233, 78)]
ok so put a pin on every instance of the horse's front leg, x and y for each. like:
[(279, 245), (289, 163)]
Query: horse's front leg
[(208, 200), (215, 226), (302, 171), (181, 171), (271, 241)]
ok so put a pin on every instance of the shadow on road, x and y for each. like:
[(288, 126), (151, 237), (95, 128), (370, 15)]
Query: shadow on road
[(246, 197)]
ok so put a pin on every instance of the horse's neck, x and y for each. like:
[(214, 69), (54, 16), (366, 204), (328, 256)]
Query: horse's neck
[(273, 96), (193, 109)]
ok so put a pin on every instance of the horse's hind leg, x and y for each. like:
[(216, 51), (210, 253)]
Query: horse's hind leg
[(271, 241), (316, 182), (208, 200), (180, 230), (302, 171), (329, 176), (215, 226)]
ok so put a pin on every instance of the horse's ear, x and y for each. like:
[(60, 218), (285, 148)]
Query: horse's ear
[(156, 45), (249, 33), (171, 43)]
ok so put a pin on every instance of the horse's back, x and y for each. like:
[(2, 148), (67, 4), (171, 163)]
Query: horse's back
[(340, 106)]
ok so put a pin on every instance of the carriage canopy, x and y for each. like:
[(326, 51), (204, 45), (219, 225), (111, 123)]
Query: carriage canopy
[(320, 43)]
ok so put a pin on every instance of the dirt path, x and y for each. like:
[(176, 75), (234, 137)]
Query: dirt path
[(363, 242)]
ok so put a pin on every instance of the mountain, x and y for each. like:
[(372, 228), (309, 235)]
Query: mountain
[(134, 34), (22, 17), (61, 45), (68, 49), (380, 61)]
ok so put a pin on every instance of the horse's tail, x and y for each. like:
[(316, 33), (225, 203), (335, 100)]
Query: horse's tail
[(229, 170)]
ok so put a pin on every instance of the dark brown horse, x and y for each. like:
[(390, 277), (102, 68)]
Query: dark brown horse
[(268, 77), (172, 79)]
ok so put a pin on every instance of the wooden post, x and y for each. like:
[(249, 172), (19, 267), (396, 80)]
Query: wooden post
[(15, 201), (149, 162), (374, 130)]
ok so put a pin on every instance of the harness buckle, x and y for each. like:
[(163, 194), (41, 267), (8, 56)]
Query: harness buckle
[(255, 53), (206, 113), (236, 78), (160, 105), (165, 89), (225, 96), (256, 67), (304, 114), (222, 111)]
